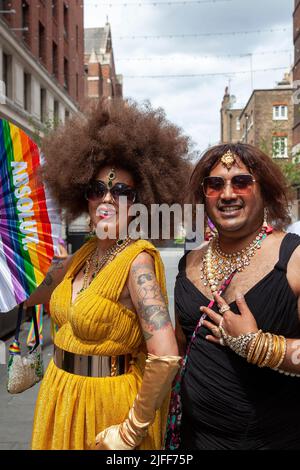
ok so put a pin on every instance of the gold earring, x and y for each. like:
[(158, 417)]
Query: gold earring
[(92, 228), (265, 222)]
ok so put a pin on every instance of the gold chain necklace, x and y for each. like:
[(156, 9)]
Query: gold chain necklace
[(218, 265), (94, 264)]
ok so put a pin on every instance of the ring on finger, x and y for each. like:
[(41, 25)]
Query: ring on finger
[(216, 332), (224, 308)]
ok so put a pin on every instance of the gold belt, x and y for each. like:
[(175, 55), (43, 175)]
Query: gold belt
[(91, 366)]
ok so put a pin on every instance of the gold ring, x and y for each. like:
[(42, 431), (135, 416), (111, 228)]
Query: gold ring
[(216, 332), (224, 308)]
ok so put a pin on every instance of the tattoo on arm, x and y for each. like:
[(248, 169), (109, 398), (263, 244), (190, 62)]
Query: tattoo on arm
[(155, 316), (48, 281), (147, 335), (151, 303), (142, 278)]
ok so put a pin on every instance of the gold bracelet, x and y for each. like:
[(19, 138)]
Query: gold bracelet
[(276, 352), (252, 346), (283, 351), (269, 352), (258, 349), (264, 350)]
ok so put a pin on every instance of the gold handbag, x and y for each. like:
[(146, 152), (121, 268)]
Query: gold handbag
[(24, 371)]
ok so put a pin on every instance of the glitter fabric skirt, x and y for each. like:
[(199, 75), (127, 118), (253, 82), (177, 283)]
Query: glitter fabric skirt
[(71, 410)]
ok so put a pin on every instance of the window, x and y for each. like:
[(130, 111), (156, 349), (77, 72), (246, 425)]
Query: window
[(66, 74), (42, 43), (66, 21), (7, 75), (280, 147), (55, 59), (77, 37), (238, 124), (280, 112), (25, 20), (54, 8), (43, 105), (27, 92), (5, 9), (56, 113)]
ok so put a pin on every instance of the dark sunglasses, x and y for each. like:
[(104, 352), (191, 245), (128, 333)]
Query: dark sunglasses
[(97, 190), (241, 185)]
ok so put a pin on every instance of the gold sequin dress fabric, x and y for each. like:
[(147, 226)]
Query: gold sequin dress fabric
[(71, 409)]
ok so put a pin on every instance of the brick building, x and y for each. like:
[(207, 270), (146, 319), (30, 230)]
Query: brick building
[(296, 75), (100, 74), (41, 60), (267, 120)]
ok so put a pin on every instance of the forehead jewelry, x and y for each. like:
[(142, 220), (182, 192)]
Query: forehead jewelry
[(111, 177), (228, 159)]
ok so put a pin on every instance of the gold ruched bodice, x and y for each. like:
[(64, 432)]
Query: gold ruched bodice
[(97, 323), (71, 409)]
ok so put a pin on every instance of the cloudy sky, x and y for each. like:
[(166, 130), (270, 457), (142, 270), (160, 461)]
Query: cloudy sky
[(149, 52)]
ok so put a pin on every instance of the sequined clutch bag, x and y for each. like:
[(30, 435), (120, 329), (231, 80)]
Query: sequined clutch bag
[(24, 371)]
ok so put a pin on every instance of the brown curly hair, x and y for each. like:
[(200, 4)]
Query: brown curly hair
[(124, 135), (272, 182)]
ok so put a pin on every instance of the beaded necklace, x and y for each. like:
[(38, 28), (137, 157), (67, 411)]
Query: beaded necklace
[(218, 265), (94, 264)]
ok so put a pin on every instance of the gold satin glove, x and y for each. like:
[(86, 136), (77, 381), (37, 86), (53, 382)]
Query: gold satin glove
[(157, 380)]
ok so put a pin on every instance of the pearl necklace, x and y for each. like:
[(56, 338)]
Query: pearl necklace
[(218, 265), (94, 264)]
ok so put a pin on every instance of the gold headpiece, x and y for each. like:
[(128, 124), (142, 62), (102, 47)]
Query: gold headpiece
[(228, 159), (111, 177)]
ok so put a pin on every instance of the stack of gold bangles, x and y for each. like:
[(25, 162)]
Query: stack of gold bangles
[(267, 350)]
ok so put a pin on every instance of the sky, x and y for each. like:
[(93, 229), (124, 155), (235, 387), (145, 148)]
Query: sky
[(149, 50)]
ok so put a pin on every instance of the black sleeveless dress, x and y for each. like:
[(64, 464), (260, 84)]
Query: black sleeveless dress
[(228, 403)]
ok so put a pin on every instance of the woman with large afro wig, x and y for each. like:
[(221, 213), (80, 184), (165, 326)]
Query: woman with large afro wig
[(115, 353)]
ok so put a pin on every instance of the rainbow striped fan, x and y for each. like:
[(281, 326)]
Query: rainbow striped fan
[(29, 221)]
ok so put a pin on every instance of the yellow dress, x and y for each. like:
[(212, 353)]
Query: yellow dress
[(71, 409)]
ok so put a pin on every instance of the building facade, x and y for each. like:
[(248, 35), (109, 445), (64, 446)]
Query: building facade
[(268, 118), (101, 79), (266, 121), (41, 61), (230, 119), (296, 77)]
